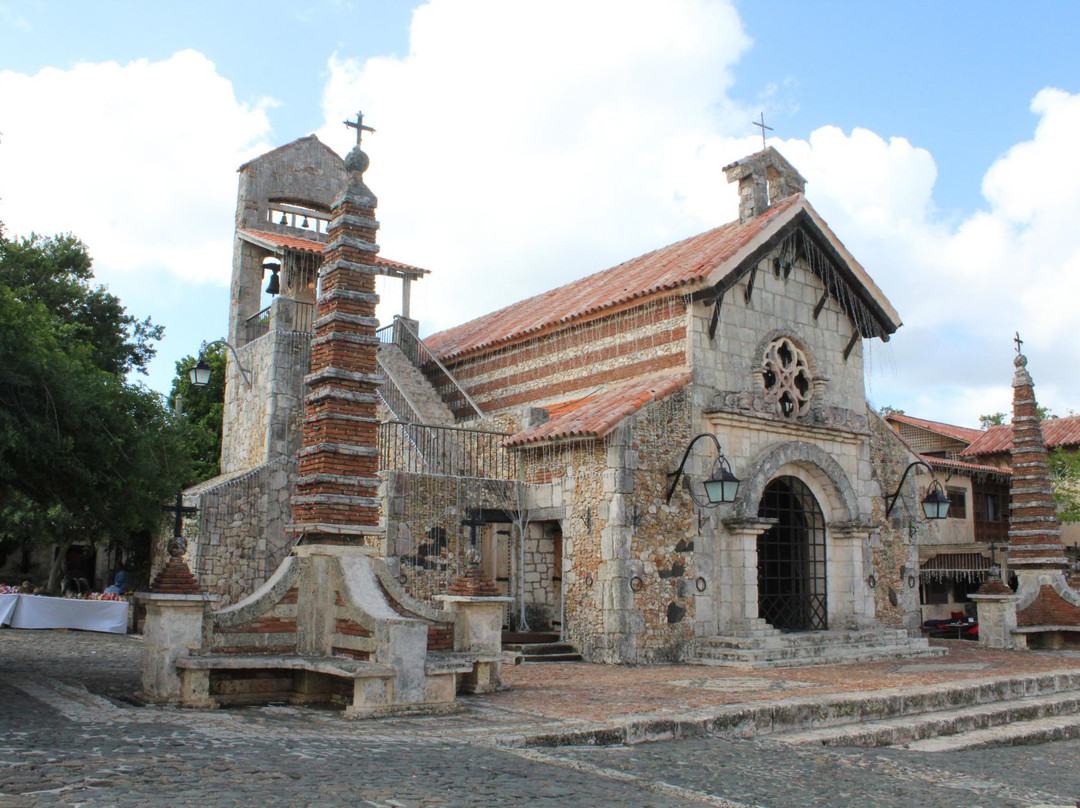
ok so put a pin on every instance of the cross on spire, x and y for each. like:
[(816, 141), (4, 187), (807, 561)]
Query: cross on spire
[(358, 125), (1018, 341), (763, 128)]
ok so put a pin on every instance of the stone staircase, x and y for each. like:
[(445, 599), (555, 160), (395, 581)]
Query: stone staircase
[(414, 387), (774, 649), (1016, 711), (539, 646)]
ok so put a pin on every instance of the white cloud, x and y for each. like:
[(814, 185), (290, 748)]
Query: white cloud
[(521, 146), (554, 139), (138, 160)]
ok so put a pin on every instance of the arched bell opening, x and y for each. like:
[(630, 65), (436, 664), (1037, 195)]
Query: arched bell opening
[(791, 558)]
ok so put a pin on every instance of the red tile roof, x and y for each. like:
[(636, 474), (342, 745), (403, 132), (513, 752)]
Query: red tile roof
[(596, 414), (961, 433), (1056, 432), (308, 245), (960, 465), (685, 262), (707, 257)]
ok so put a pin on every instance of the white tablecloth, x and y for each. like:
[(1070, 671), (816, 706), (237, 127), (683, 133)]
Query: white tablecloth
[(7, 608), (38, 611)]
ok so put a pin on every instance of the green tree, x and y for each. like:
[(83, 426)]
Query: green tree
[(203, 409), (993, 419), (1065, 476), (887, 410), (85, 455)]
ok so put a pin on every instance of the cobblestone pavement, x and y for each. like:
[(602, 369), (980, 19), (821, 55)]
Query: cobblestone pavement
[(70, 736)]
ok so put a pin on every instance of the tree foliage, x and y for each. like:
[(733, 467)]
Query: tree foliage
[(993, 419), (85, 455), (203, 410), (1065, 475)]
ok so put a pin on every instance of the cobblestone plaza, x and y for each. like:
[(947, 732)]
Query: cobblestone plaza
[(71, 737)]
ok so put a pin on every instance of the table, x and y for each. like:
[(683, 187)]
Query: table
[(39, 611)]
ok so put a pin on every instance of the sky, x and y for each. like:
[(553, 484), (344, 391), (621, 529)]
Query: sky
[(521, 144)]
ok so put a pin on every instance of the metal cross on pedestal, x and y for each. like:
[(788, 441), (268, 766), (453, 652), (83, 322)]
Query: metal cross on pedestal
[(358, 125), (763, 128), (180, 510), (1018, 341), (473, 519)]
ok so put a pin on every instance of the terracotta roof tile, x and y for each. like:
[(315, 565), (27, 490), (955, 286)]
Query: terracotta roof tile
[(686, 262), (948, 430), (961, 465), (596, 414), (309, 245), (1056, 432)]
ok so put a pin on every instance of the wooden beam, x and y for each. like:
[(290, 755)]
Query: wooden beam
[(750, 283), (715, 319), (855, 337), (820, 304)]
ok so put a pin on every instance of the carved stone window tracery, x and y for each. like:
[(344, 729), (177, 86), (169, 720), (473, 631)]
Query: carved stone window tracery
[(787, 377)]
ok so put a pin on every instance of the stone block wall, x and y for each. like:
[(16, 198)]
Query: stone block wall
[(237, 539), (778, 306), (262, 421)]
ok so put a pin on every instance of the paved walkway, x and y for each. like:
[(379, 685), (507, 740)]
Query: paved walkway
[(69, 735)]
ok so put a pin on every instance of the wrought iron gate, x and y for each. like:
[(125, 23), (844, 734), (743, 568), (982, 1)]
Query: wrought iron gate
[(791, 558)]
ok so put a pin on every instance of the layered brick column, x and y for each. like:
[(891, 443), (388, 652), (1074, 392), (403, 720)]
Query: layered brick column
[(336, 496), (1034, 530)]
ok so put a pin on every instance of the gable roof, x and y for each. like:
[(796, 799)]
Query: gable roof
[(273, 241), (307, 141), (597, 414), (716, 258), (961, 433), (997, 439)]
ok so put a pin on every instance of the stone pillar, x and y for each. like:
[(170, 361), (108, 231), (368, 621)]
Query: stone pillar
[(175, 626), (997, 616), (850, 598), (478, 630), (737, 568), (336, 496)]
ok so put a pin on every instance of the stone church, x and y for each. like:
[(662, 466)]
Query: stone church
[(561, 444)]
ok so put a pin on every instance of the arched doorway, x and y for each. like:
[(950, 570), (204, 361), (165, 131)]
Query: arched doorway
[(791, 558)]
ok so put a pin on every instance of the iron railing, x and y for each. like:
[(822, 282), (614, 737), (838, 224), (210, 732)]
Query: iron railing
[(460, 402), (445, 450), (257, 324)]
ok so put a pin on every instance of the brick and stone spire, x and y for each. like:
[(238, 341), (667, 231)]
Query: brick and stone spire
[(1034, 529), (336, 496)]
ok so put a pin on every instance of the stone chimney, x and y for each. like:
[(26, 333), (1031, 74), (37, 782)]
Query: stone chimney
[(764, 179), (336, 496), (1034, 529)]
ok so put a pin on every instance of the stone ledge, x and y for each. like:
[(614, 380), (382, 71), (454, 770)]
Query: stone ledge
[(339, 448)]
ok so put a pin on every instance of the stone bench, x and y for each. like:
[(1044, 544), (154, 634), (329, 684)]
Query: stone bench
[(261, 678)]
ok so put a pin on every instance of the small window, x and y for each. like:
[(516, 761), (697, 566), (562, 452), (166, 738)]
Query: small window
[(993, 508), (957, 503)]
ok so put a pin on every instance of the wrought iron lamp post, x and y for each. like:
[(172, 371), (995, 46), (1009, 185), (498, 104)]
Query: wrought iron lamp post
[(935, 504), (200, 374), (722, 485)]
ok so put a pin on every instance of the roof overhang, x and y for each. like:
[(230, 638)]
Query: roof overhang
[(801, 218)]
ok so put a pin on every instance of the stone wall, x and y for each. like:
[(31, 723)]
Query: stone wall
[(237, 539), (262, 420)]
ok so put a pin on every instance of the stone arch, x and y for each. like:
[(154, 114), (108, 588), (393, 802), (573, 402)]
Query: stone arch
[(821, 465)]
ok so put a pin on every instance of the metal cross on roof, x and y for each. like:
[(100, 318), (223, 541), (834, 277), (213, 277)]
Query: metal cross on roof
[(358, 125), (763, 128), (1018, 341)]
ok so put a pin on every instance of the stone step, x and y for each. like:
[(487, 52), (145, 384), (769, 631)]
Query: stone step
[(539, 649), (529, 637), (1039, 730), (911, 730), (787, 641), (574, 657), (804, 713), (825, 655)]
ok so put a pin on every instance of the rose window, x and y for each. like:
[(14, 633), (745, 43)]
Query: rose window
[(787, 378)]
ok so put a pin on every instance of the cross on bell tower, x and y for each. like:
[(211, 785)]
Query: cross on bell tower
[(359, 126)]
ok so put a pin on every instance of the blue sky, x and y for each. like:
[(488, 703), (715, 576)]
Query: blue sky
[(524, 144)]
